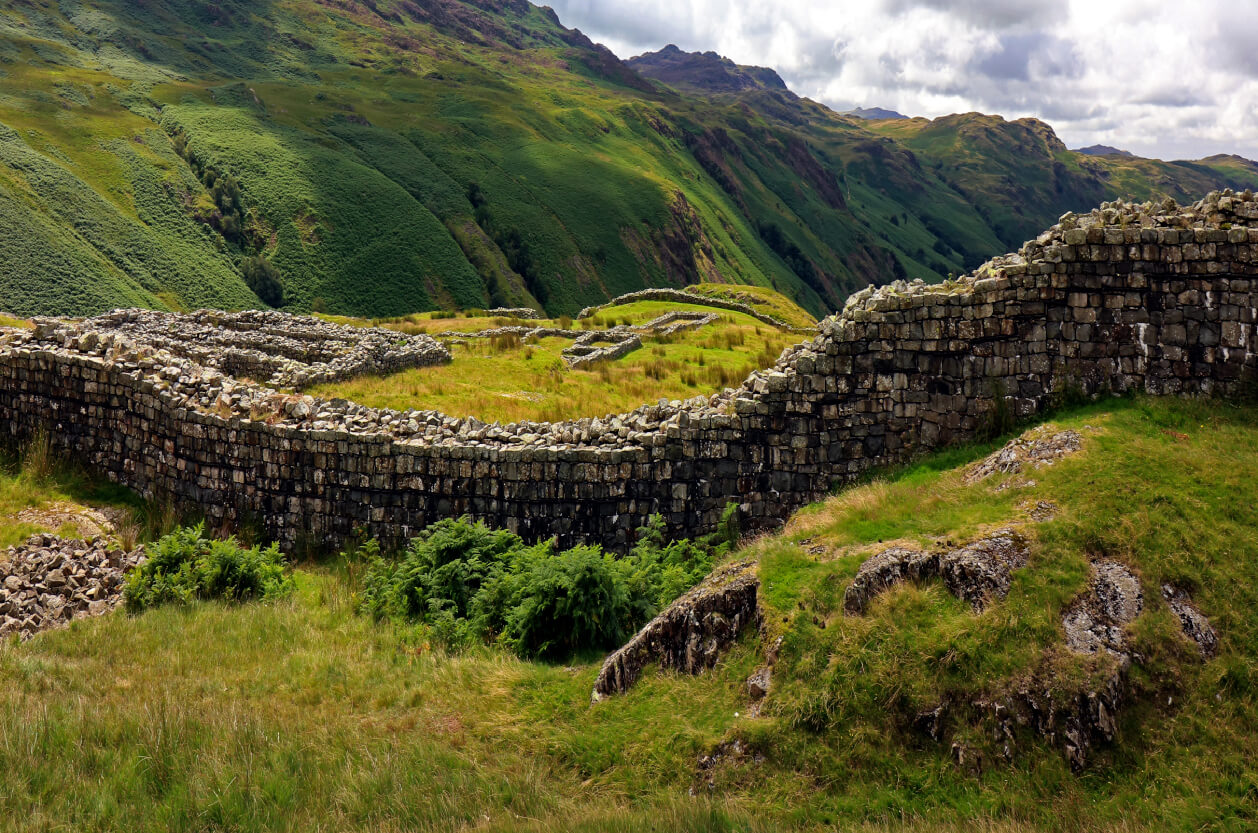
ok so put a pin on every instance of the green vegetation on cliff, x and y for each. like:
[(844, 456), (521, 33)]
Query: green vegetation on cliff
[(383, 157)]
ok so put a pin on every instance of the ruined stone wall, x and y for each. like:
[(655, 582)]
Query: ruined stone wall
[(1131, 297)]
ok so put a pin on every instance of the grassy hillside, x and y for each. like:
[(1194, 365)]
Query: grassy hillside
[(386, 157), (302, 714)]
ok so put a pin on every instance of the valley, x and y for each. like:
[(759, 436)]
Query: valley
[(416, 417)]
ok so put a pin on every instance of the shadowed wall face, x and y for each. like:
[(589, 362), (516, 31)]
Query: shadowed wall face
[(1127, 299)]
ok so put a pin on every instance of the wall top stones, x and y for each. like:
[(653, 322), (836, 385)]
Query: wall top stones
[(1162, 237), (277, 349)]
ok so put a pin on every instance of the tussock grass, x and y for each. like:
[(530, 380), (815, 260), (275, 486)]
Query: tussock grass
[(35, 476)]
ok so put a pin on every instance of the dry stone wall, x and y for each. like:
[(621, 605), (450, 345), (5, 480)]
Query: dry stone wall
[(1151, 297), (283, 351)]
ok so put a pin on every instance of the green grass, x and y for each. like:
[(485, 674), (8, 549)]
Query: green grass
[(301, 715), (36, 481), (500, 382)]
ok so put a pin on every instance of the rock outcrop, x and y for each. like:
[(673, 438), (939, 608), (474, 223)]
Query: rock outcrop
[(975, 573), (1191, 620), (691, 634), (1097, 621), (1040, 447)]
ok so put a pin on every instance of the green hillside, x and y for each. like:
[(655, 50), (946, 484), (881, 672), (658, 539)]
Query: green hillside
[(382, 157), (303, 714)]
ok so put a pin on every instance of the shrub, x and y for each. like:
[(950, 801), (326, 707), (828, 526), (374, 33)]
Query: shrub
[(471, 584), (555, 605), (443, 568), (186, 565), (264, 279)]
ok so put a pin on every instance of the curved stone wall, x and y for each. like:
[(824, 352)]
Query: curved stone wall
[(1153, 297)]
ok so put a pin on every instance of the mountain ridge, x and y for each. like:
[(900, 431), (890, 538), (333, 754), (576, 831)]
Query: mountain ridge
[(385, 157)]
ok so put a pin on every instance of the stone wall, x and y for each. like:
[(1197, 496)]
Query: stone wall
[(277, 349), (1154, 298)]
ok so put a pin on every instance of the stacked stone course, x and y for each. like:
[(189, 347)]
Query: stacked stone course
[(1165, 301), (283, 351), (526, 313)]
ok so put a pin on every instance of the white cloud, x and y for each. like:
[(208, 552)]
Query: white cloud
[(1158, 78)]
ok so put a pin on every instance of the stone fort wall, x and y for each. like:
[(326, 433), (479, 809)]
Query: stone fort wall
[(1153, 298)]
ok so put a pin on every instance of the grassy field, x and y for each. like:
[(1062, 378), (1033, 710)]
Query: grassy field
[(505, 380), (302, 715)]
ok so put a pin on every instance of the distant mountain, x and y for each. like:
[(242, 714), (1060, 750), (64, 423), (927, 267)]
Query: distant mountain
[(380, 157), (1104, 150), (874, 113), (1230, 159), (704, 71)]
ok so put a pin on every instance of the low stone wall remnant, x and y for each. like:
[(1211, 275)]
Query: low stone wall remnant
[(681, 296), (525, 313)]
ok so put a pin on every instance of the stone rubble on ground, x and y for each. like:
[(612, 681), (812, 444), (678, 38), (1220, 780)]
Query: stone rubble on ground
[(49, 581)]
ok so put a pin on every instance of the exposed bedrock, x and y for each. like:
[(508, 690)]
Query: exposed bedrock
[(1152, 298), (1034, 449), (691, 634), (976, 573), (1097, 621), (1192, 621), (1078, 717)]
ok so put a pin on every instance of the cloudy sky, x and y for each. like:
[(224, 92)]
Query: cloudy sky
[(1166, 79)]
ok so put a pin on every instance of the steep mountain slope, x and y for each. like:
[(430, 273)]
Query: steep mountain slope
[(380, 157)]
